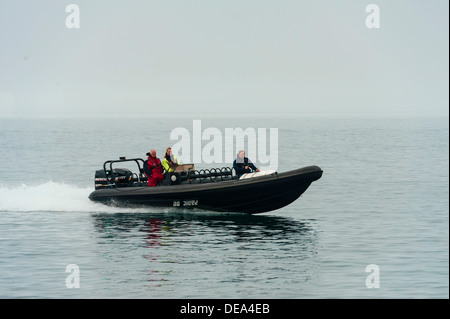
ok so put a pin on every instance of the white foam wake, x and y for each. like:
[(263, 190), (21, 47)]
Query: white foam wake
[(49, 196)]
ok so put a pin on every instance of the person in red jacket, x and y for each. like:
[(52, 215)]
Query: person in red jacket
[(153, 169)]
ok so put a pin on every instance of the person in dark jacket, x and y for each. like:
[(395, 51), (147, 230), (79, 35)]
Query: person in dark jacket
[(243, 165), (153, 169)]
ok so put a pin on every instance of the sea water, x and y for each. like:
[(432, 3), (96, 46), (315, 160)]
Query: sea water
[(374, 226)]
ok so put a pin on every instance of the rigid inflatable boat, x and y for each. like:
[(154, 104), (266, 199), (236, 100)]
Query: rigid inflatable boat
[(217, 189)]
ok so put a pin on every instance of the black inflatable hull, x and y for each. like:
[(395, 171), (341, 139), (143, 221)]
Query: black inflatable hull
[(253, 195)]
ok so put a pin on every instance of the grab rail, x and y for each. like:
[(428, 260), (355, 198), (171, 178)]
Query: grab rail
[(212, 174), (192, 176), (122, 159)]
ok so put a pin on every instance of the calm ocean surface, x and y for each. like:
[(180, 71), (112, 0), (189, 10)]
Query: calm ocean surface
[(383, 200)]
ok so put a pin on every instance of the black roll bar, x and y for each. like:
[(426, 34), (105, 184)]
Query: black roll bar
[(121, 160)]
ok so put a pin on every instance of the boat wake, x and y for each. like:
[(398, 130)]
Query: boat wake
[(62, 197), (52, 197)]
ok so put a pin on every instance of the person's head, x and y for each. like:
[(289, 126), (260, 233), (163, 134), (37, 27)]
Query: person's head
[(241, 154), (153, 153), (169, 151)]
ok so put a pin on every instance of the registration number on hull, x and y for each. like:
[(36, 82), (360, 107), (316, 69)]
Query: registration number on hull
[(183, 203)]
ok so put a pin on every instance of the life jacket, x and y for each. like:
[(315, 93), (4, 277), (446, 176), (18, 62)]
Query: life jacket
[(152, 167), (166, 163)]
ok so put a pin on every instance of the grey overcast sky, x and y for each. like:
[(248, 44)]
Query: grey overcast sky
[(144, 57)]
